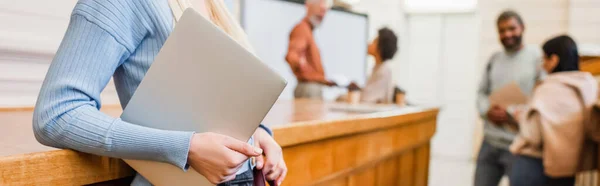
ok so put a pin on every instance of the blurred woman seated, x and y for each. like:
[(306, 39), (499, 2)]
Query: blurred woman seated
[(380, 86), (550, 147)]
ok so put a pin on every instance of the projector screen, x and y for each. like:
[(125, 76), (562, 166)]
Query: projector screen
[(342, 39)]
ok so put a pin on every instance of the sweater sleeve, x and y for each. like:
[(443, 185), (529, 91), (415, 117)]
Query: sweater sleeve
[(267, 129), (67, 111), (483, 91)]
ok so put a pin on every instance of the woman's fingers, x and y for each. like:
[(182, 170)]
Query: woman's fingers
[(283, 174), (278, 173), (260, 162), (242, 147)]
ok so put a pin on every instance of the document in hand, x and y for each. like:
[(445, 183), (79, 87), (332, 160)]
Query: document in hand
[(202, 81), (509, 94)]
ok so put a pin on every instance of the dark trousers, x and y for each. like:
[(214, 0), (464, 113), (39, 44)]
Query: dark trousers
[(244, 179), (529, 171), (492, 164)]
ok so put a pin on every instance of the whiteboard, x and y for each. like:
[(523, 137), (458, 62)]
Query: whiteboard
[(342, 39)]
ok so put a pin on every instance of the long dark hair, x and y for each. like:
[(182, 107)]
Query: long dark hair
[(566, 49)]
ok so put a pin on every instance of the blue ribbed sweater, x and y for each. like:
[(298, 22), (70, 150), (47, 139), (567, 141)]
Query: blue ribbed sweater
[(105, 38)]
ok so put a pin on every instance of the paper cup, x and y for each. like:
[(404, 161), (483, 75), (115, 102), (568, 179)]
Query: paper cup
[(400, 99), (353, 97)]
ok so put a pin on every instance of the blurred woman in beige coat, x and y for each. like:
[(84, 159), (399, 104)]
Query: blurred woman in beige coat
[(550, 146)]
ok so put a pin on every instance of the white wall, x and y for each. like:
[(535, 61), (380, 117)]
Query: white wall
[(442, 61), (584, 21), (30, 34), (424, 57)]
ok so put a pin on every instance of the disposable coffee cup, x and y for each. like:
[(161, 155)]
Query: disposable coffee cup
[(353, 97), (400, 99)]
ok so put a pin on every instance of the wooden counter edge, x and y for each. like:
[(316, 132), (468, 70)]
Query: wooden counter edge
[(304, 132), (50, 167)]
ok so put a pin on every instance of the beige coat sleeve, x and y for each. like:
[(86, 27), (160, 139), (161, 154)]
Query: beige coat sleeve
[(530, 129), (529, 140)]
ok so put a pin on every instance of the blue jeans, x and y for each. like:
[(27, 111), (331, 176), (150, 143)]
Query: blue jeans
[(244, 179), (529, 171), (492, 164)]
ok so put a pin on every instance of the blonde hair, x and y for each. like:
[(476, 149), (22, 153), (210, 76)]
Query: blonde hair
[(220, 16)]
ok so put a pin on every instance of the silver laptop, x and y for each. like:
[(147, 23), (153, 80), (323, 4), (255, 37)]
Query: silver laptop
[(203, 81)]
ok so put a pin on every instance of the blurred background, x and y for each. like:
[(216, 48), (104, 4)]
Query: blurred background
[(443, 48)]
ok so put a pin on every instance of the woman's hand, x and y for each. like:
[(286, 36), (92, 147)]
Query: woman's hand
[(218, 157), (518, 112), (274, 167)]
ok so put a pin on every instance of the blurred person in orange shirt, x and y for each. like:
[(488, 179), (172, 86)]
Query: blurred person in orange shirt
[(303, 53)]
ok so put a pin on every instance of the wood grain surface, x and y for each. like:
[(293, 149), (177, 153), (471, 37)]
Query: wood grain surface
[(590, 64)]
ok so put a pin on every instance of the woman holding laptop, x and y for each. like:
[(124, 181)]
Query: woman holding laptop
[(119, 39)]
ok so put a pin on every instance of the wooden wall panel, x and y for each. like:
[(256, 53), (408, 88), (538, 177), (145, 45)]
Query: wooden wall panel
[(347, 151), (308, 162), (421, 165), (337, 182), (387, 172), (406, 170), (350, 156), (363, 178)]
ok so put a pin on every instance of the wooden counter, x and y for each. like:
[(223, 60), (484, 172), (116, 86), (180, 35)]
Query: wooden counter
[(321, 147), (590, 64)]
